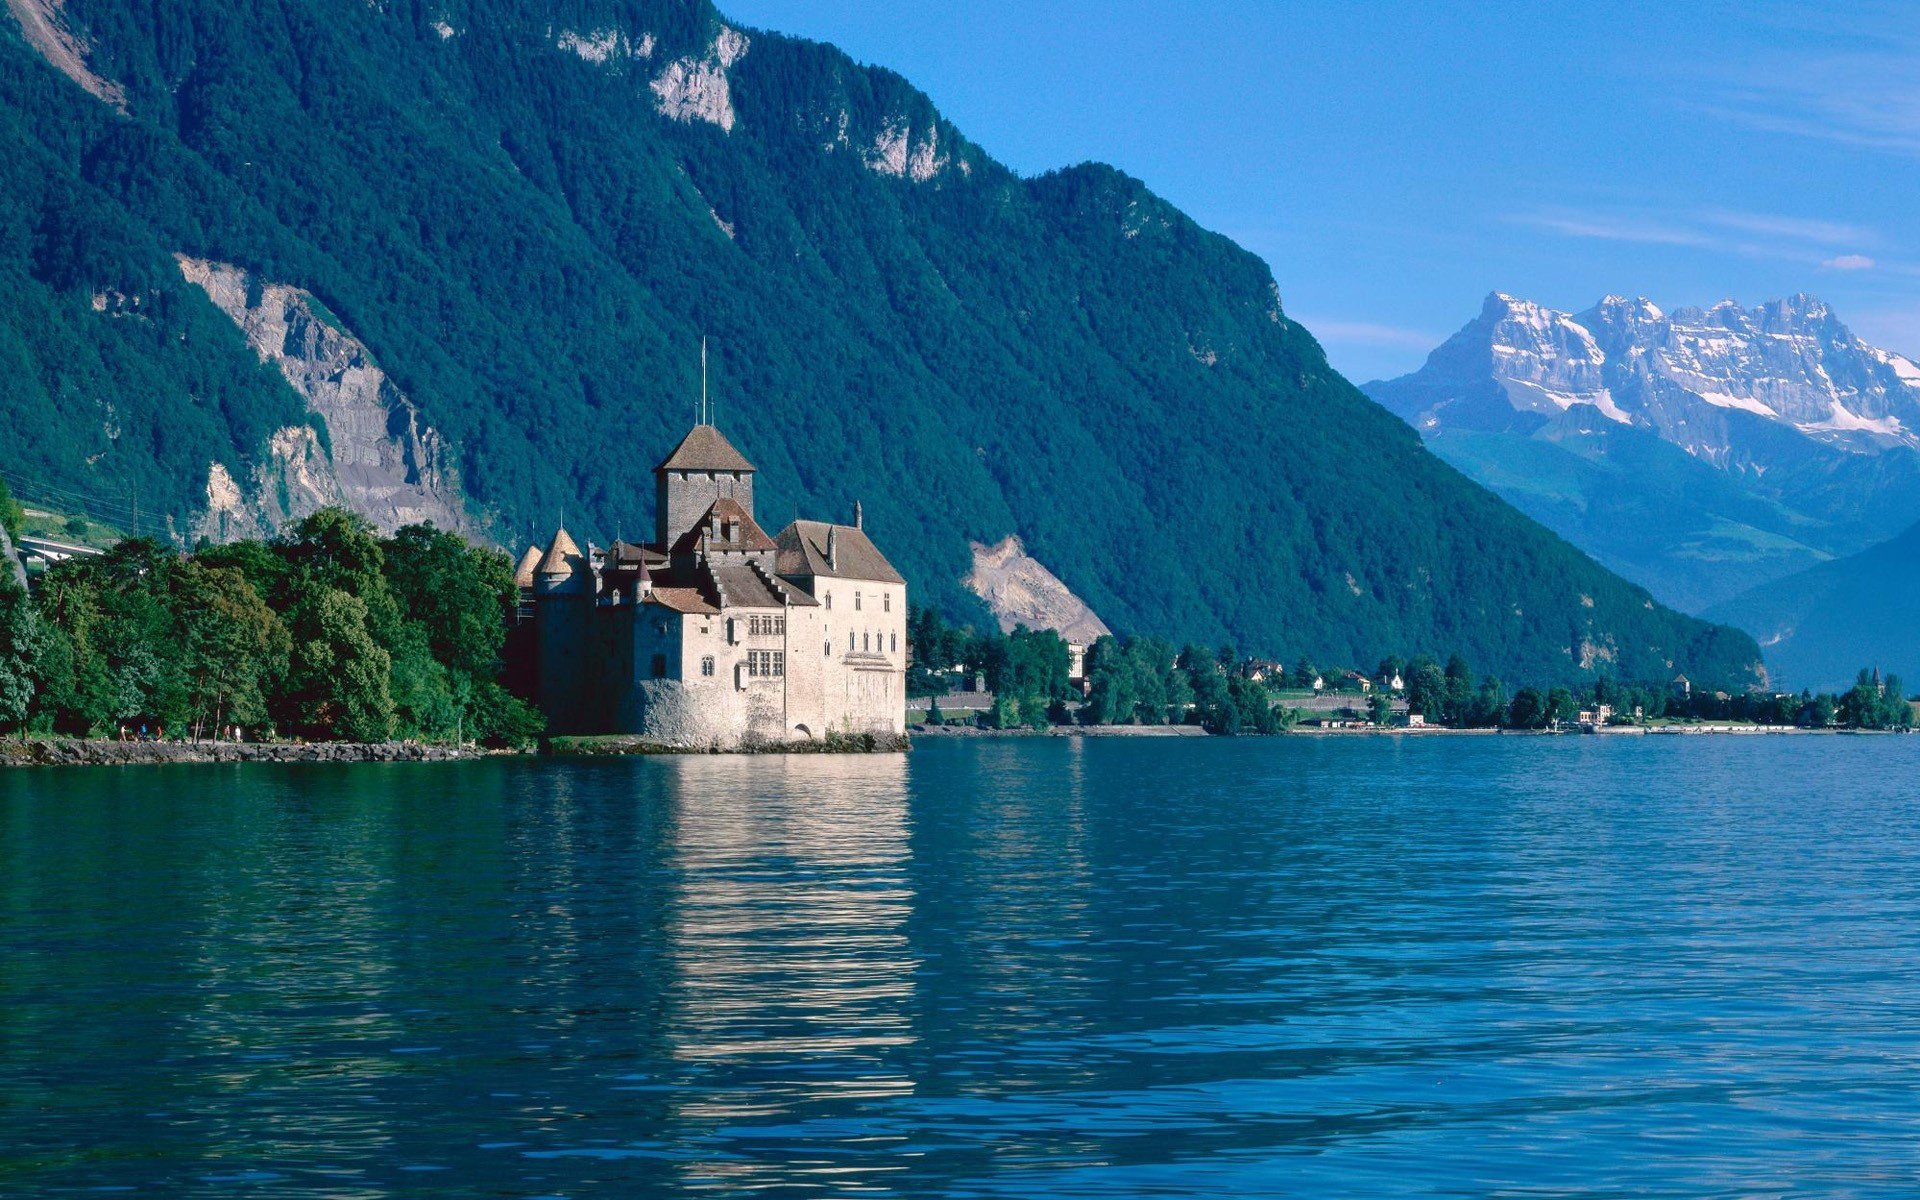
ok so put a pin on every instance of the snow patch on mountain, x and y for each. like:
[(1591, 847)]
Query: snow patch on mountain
[(1789, 362)]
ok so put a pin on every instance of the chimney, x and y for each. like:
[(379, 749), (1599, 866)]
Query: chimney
[(859, 521), (833, 563)]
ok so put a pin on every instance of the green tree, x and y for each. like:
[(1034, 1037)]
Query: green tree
[(21, 648), (1380, 708), (1561, 706), (1861, 707), (1427, 689), (1528, 710), (234, 646), (338, 676), (459, 594), (1112, 696), (12, 517), (1898, 713)]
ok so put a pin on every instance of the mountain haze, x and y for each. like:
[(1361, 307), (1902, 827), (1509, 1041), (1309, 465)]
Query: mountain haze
[(507, 226), (1819, 627), (1699, 452)]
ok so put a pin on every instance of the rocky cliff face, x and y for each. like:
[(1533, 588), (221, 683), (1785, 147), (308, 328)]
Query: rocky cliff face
[(377, 457)]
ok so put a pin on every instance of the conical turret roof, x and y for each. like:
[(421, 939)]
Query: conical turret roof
[(563, 556), (529, 563)]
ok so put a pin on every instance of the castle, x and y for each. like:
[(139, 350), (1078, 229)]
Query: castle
[(714, 634)]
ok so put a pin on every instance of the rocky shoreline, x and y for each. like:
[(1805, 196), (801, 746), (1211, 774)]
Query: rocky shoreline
[(60, 752)]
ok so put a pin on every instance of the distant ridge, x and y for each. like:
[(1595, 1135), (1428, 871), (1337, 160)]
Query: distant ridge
[(1699, 452)]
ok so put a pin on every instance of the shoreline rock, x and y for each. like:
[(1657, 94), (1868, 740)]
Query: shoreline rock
[(614, 746), (75, 752)]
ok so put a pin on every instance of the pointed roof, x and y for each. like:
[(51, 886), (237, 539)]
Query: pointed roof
[(529, 563), (705, 449), (563, 556)]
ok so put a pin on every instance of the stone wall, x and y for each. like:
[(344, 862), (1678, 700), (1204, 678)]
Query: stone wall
[(683, 497)]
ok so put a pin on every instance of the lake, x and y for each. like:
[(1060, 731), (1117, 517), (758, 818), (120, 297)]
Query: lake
[(1024, 967)]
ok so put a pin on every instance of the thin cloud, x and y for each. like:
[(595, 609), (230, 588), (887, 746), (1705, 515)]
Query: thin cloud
[(1368, 333), (1728, 231), (1867, 99), (1799, 229), (1615, 228)]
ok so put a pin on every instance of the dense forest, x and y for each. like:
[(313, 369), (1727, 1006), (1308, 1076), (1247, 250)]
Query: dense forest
[(326, 633), (497, 198)]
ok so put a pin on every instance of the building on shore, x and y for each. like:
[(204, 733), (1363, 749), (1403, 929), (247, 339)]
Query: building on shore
[(715, 634)]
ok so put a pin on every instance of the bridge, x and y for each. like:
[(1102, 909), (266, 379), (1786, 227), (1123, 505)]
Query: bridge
[(52, 551)]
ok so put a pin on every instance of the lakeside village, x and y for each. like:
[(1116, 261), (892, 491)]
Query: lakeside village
[(713, 636)]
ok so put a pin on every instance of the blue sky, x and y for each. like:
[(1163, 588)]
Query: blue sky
[(1395, 162)]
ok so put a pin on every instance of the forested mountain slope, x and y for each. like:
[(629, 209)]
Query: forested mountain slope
[(527, 215), (1823, 624)]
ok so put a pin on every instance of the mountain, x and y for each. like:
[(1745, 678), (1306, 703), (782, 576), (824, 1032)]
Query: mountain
[(457, 256), (1700, 452), (1822, 625)]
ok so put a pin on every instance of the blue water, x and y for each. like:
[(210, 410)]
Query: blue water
[(1283, 967)]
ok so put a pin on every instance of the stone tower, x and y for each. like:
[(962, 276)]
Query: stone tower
[(702, 469), (565, 664)]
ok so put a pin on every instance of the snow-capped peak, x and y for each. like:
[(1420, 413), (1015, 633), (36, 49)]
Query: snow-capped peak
[(1697, 376)]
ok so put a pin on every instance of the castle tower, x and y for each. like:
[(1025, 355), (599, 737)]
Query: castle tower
[(563, 599), (702, 469)]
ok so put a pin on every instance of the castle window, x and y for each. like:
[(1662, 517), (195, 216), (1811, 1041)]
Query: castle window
[(850, 642), (864, 644), (829, 601), (886, 601), (706, 666), (766, 664), (856, 602), (826, 647), (894, 638), (659, 666)]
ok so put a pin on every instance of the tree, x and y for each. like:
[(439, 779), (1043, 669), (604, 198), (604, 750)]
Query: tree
[(21, 646), (1898, 713), (1427, 689), (234, 646), (1460, 695), (459, 594), (1528, 711), (1861, 707), (1380, 708), (1305, 673), (338, 675), (12, 517), (1111, 693), (1561, 706)]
